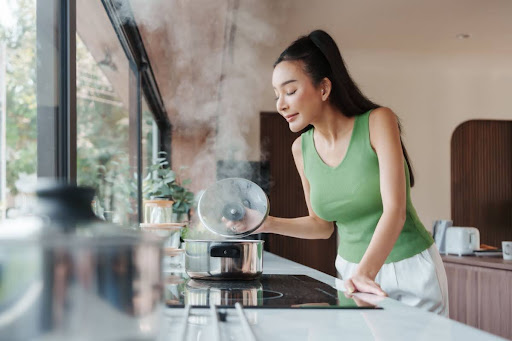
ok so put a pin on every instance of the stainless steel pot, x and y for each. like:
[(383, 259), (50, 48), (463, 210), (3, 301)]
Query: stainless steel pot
[(224, 259), (65, 275), (243, 203)]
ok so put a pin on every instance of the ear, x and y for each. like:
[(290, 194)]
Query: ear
[(325, 88)]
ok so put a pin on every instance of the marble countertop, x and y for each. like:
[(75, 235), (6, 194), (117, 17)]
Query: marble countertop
[(394, 322)]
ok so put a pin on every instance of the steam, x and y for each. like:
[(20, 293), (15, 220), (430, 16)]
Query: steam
[(208, 71)]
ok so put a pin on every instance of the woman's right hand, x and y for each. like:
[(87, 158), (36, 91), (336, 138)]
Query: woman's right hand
[(250, 220)]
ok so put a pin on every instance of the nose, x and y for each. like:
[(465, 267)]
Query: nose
[(281, 104)]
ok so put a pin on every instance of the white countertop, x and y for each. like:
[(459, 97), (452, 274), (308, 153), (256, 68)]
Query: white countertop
[(394, 322)]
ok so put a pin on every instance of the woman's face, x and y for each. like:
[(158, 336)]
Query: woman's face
[(297, 99)]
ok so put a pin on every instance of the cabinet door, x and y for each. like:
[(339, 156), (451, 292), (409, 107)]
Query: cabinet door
[(481, 297)]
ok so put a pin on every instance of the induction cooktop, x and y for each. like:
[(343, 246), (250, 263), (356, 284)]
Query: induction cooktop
[(269, 291)]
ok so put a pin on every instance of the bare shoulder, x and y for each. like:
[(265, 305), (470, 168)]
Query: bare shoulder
[(297, 154), (382, 116), (384, 128), (297, 147)]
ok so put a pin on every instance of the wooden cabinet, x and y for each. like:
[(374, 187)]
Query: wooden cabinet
[(480, 292)]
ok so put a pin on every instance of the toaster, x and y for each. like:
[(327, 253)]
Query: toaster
[(462, 240)]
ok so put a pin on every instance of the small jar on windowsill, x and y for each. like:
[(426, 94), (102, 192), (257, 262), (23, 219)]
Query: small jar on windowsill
[(158, 211)]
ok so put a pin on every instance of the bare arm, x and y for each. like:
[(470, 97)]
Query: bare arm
[(309, 227), (385, 139)]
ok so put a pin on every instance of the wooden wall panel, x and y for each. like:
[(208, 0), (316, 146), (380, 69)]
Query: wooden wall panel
[(287, 198), (481, 178), (481, 297)]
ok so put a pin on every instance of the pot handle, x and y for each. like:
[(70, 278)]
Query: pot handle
[(225, 251)]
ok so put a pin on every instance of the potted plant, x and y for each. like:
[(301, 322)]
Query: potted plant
[(162, 183)]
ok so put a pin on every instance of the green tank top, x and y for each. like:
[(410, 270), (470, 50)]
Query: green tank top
[(349, 194)]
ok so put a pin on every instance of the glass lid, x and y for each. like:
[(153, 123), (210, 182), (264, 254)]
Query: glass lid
[(233, 207)]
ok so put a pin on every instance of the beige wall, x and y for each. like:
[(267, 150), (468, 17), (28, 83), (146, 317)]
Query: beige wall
[(432, 95), (432, 80)]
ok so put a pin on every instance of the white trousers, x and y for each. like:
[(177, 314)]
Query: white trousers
[(418, 281)]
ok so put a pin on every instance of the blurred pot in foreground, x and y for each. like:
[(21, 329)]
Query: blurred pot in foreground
[(64, 274)]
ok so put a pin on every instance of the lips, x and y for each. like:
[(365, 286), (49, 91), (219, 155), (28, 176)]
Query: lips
[(291, 117)]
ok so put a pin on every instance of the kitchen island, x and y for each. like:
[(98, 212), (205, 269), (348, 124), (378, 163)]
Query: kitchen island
[(394, 322)]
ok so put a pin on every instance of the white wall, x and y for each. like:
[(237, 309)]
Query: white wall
[(432, 95)]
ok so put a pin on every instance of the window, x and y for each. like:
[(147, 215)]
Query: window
[(18, 103), (71, 105), (103, 116)]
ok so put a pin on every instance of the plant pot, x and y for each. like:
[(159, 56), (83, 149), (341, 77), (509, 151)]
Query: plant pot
[(178, 217)]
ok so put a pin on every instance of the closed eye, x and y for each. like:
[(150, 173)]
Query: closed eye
[(288, 94)]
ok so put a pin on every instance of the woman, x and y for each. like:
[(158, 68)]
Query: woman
[(355, 172)]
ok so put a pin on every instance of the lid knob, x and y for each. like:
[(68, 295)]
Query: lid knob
[(233, 211)]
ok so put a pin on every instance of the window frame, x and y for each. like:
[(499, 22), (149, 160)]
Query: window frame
[(56, 88)]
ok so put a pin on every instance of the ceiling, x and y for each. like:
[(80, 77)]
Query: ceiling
[(429, 26), (189, 39)]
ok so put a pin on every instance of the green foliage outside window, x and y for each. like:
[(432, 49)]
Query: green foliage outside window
[(102, 126), (21, 104), (162, 182)]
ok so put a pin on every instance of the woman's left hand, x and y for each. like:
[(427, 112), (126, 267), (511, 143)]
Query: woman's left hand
[(363, 283)]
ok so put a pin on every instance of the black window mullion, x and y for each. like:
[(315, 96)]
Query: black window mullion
[(56, 89), (68, 89), (139, 149), (125, 26)]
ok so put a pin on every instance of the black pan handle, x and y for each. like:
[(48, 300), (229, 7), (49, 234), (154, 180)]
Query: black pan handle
[(225, 251)]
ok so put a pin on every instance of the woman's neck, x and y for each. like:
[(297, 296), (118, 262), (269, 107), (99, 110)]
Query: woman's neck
[(332, 125)]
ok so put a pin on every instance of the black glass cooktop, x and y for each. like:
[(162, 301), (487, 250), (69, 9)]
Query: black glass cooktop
[(269, 291)]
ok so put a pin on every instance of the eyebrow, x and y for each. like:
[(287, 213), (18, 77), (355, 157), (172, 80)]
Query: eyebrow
[(287, 82)]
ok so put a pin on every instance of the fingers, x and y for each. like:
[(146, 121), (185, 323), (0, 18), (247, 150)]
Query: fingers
[(251, 219), (234, 226), (228, 223), (349, 286), (371, 288), (359, 302), (369, 298), (363, 285)]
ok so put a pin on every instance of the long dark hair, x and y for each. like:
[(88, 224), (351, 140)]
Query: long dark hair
[(322, 59)]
